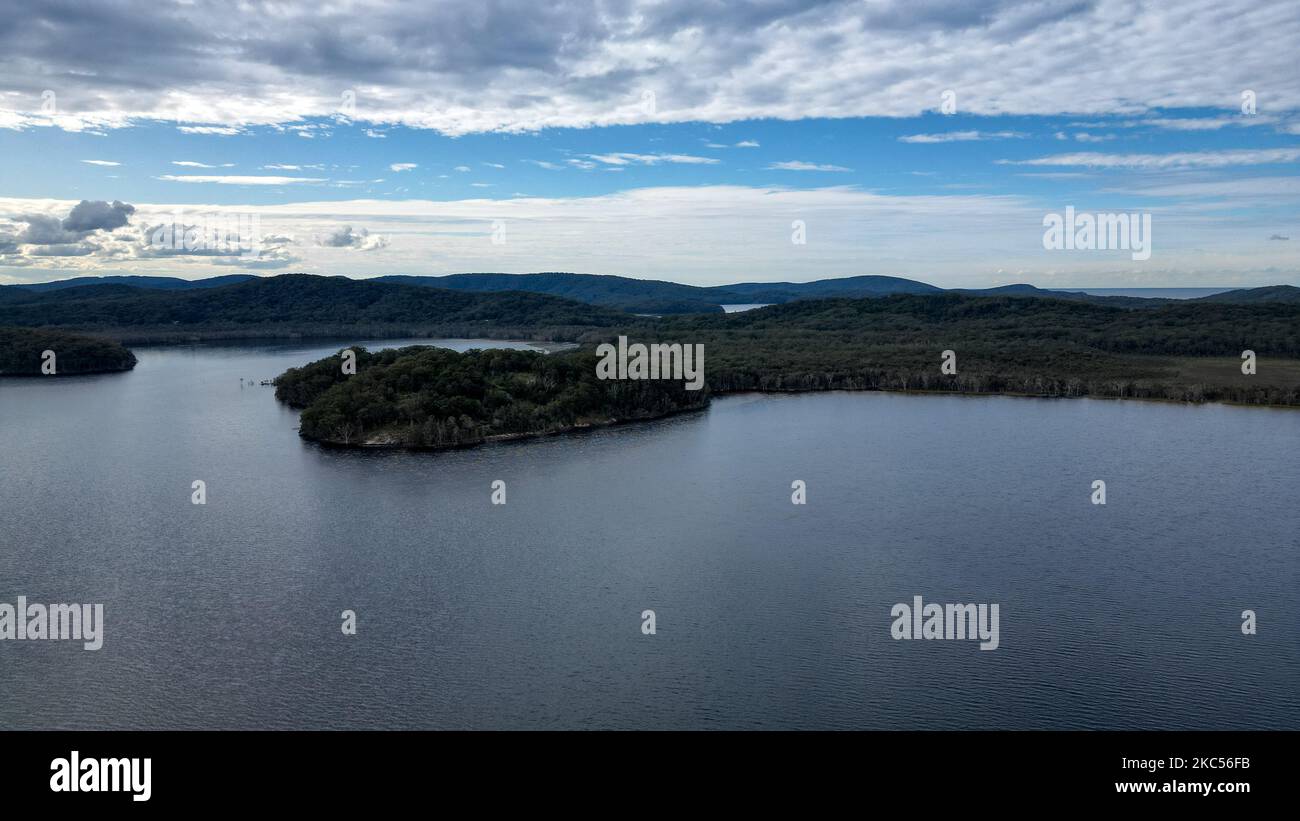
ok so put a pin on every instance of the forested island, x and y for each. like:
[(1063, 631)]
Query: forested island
[(22, 353), (425, 397)]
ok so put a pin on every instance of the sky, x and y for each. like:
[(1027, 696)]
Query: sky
[(697, 141)]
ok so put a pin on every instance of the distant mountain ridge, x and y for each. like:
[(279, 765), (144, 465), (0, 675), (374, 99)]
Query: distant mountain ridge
[(641, 296), (289, 303), (1269, 293), (648, 296), (139, 282)]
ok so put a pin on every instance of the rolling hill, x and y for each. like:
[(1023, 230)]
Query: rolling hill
[(1247, 296), (645, 296), (293, 303)]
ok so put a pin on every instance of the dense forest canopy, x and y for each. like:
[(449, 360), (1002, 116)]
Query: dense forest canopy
[(1003, 345), (1187, 328), (431, 397), (22, 353)]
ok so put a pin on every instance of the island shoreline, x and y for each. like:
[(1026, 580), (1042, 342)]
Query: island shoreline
[(512, 438)]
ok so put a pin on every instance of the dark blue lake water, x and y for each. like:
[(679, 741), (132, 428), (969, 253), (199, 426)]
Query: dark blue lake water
[(528, 614)]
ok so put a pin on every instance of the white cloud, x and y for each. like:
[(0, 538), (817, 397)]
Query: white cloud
[(625, 158), (1201, 123), (1180, 159), (403, 166), (193, 164), (106, 163), (1248, 188), (800, 165), (960, 136), (243, 180), (747, 144), (1183, 123), (98, 235), (359, 240), (220, 130)]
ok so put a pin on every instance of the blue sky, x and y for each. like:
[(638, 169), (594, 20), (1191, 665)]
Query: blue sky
[(899, 155), (675, 141)]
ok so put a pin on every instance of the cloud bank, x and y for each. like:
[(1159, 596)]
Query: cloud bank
[(957, 240), (462, 66)]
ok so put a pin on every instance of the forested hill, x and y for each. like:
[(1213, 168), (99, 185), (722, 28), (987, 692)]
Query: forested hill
[(427, 397), (296, 302), (1272, 293), (22, 350)]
